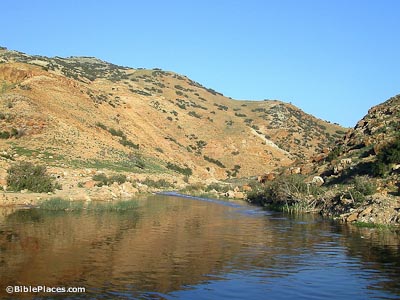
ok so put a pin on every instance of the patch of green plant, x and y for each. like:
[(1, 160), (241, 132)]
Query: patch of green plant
[(183, 170), (214, 161), (4, 135), (364, 185), (158, 149), (335, 152), (7, 156), (161, 183), (234, 171), (116, 132), (55, 204), (118, 206), (390, 154), (194, 114), (25, 175), (194, 187), (59, 204), (286, 190), (219, 187), (127, 143), (103, 179), (5, 87), (221, 107), (101, 125)]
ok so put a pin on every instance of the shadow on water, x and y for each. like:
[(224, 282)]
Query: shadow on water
[(187, 247)]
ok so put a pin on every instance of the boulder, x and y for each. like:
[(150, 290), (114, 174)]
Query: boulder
[(89, 184), (239, 195), (353, 217), (128, 188), (317, 180), (230, 194), (246, 188), (295, 170)]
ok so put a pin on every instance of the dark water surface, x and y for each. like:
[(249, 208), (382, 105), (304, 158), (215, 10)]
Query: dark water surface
[(183, 248)]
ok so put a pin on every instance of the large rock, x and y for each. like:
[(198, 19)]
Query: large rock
[(230, 194), (317, 180), (239, 195), (90, 184), (247, 188), (128, 188), (352, 217)]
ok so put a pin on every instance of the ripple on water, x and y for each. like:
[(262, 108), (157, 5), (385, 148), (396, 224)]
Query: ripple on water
[(194, 248)]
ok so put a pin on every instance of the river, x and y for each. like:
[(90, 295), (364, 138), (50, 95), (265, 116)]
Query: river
[(188, 248)]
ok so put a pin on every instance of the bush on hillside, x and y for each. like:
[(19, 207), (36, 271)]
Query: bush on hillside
[(26, 175), (388, 155), (183, 170), (103, 179)]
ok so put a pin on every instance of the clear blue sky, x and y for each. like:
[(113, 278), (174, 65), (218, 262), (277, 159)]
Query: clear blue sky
[(332, 58)]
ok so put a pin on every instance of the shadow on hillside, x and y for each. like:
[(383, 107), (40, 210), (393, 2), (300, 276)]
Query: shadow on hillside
[(347, 176)]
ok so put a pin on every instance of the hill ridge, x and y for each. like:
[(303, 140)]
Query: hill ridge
[(84, 109)]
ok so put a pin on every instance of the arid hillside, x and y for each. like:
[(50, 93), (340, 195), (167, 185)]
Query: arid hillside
[(81, 112), (372, 148)]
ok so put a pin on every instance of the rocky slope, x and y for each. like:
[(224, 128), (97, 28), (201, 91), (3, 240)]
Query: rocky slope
[(81, 112), (358, 180)]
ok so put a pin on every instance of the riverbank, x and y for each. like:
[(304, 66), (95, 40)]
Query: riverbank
[(358, 201), (355, 202)]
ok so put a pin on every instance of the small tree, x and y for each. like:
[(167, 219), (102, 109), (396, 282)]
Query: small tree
[(26, 175)]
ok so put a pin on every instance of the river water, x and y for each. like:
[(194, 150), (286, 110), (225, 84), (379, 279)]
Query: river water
[(187, 248)]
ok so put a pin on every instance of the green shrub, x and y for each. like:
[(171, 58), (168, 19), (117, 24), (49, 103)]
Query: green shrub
[(127, 143), (219, 187), (194, 187), (364, 185), (194, 114), (55, 204), (119, 178), (101, 125), (284, 191), (116, 132), (102, 179), (4, 135), (161, 183), (59, 204), (119, 206), (334, 153), (185, 171), (214, 161), (388, 155), (379, 168), (26, 175)]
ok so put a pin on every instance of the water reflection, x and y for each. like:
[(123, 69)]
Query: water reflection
[(174, 247)]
